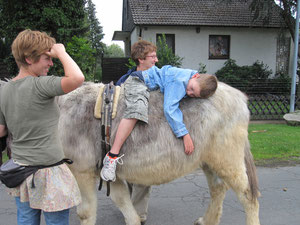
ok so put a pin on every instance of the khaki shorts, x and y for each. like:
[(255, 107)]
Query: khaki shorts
[(136, 99)]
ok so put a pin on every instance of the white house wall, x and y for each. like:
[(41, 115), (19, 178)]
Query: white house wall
[(135, 35), (246, 45)]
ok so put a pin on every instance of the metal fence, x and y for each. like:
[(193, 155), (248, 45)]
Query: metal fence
[(268, 100)]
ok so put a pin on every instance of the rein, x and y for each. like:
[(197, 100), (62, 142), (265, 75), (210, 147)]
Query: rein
[(106, 119)]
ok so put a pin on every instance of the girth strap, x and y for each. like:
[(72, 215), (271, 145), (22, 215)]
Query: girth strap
[(106, 119)]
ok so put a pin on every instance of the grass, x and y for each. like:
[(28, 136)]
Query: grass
[(271, 142), (277, 142), (4, 156)]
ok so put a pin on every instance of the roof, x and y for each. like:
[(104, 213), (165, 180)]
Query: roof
[(198, 13)]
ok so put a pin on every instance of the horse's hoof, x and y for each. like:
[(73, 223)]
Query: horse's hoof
[(199, 221), (143, 223)]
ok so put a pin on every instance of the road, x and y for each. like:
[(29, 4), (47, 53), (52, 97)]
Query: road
[(184, 200)]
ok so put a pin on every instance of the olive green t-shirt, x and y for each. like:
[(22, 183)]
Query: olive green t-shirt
[(29, 110)]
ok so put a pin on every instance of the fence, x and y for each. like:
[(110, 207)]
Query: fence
[(268, 100), (113, 69)]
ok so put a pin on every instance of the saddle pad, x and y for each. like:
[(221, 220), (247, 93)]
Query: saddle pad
[(98, 105)]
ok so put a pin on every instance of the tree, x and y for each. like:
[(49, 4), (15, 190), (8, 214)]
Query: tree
[(82, 53), (60, 19), (114, 50), (95, 34), (262, 10)]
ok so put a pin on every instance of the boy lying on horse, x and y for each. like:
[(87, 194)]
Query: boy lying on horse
[(175, 84)]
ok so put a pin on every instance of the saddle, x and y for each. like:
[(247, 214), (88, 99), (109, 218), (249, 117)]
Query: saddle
[(106, 110), (110, 93)]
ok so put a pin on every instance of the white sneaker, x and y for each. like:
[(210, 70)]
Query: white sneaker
[(108, 172)]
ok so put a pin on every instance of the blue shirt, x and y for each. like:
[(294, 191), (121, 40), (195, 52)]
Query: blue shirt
[(171, 81)]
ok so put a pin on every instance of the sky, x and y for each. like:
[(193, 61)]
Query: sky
[(109, 14)]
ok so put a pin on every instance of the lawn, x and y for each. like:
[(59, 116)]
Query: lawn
[(271, 143), (277, 142)]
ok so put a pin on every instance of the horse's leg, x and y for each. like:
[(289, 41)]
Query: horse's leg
[(140, 196), (251, 207), (217, 190), (240, 175), (240, 185), (121, 197), (243, 180), (87, 209)]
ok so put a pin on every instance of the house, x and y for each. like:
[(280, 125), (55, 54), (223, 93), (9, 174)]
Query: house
[(208, 32)]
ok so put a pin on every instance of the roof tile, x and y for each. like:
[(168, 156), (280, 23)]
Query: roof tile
[(198, 12)]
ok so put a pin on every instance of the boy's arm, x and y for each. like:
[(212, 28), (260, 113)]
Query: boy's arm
[(174, 92)]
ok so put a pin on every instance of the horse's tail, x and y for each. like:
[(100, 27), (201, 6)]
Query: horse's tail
[(251, 172)]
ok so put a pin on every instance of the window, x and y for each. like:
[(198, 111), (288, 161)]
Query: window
[(219, 46), (170, 40)]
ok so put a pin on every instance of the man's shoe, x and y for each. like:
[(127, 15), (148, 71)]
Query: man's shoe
[(108, 172)]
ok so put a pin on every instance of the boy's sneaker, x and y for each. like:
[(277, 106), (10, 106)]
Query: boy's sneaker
[(108, 172)]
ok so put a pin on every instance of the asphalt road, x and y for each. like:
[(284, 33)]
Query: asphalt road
[(184, 200)]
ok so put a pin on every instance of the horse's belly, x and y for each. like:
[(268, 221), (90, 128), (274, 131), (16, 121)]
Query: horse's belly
[(155, 174)]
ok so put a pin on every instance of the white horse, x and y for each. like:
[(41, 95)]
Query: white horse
[(153, 155)]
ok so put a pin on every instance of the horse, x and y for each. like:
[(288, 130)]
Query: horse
[(153, 155)]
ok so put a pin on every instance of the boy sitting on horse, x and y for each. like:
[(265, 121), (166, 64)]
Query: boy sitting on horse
[(175, 84)]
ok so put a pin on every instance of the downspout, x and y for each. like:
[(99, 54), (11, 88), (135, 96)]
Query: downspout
[(295, 62), (140, 32)]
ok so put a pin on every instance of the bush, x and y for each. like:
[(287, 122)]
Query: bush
[(131, 64), (165, 54), (253, 79), (232, 73), (202, 68)]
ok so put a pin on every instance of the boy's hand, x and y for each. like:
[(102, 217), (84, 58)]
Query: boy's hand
[(188, 144)]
